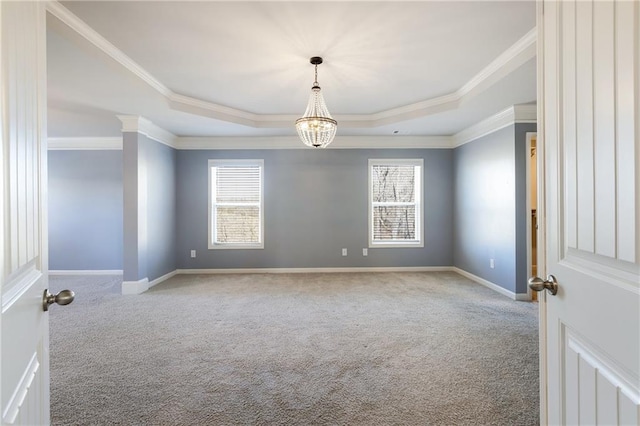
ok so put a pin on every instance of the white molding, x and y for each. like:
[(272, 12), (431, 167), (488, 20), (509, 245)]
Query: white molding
[(525, 113), (93, 37), (135, 287), (293, 142), (512, 58), (507, 117), (133, 123), (85, 272), (163, 278), (317, 270), (510, 294), (138, 124), (84, 143), (508, 61)]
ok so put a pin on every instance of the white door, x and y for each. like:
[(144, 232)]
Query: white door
[(589, 96), (24, 371)]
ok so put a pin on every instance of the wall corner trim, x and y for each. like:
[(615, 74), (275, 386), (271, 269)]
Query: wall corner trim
[(138, 124), (135, 287), (492, 286)]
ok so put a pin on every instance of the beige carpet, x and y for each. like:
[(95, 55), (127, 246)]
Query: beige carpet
[(299, 349)]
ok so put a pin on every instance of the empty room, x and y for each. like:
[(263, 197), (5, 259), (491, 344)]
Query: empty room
[(320, 213)]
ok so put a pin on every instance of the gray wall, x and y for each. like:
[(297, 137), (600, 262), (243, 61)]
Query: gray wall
[(85, 210), (161, 162), (490, 207), (315, 204), (149, 208), (485, 207)]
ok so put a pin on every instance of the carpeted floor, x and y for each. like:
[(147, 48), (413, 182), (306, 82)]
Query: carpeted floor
[(299, 349)]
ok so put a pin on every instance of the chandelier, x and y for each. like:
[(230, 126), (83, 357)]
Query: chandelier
[(316, 127)]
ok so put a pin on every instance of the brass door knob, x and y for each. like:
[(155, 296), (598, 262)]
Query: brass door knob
[(538, 284), (63, 298)]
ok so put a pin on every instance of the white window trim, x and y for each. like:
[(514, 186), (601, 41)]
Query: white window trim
[(210, 218), (419, 204)]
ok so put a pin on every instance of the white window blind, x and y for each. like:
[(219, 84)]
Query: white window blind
[(395, 208), (236, 204)]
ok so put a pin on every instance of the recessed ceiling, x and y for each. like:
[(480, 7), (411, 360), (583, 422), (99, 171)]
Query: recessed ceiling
[(242, 68)]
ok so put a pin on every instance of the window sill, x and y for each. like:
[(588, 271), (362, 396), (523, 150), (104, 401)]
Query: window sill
[(396, 244)]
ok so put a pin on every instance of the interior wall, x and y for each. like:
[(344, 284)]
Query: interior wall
[(490, 215), (485, 208), (85, 210), (161, 165), (315, 204)]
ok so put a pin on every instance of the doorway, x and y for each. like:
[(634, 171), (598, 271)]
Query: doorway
[(532, 209)]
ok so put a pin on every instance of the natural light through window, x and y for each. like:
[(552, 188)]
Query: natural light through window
[(395, 203), (236, 204)]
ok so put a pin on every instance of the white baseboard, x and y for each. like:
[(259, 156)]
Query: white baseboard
[(510, 294), (163, 278), (316, 270), (86, 272), (135, 287)]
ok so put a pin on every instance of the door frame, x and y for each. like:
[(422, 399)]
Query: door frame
[(541, 213), (528, 137)]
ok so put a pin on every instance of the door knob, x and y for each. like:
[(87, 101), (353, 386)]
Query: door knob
[(538, 284), (63, 298)]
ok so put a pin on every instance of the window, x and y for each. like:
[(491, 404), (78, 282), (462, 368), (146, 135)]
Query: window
[(235, 204), (395, 203)]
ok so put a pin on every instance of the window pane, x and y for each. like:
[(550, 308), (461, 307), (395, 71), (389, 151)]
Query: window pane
[(393, 183), (394, 223), (237, 184), (238, 224)]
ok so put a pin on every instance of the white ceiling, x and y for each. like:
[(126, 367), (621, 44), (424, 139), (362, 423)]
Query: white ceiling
[(242, 68)]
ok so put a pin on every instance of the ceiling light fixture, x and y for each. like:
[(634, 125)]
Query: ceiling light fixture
[(316, 127)]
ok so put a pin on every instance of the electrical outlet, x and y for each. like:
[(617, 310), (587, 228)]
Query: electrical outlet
[(365, 252), (344, 251), (193, 254), (492, 264)]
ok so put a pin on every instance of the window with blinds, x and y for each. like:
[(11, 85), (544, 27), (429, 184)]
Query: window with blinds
[(395, 203), (236, 204)]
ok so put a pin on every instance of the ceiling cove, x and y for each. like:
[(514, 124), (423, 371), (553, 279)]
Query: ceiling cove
[(511, 59)]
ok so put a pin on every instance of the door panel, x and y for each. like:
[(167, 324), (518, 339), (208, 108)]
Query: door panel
[(590, 95), (23, 262)]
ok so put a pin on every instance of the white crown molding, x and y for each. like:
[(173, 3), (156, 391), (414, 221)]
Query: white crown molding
[(293, 142), (516, 55), (525, 113), (84, 143), (508, 61), (93, 37), (135, 123), (512, 115)]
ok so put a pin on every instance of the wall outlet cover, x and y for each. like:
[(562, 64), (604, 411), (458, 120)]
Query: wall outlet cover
[(193, 254), (365, 252), (344, 251)]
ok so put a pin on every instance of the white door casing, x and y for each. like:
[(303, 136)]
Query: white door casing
[(589, 98), (24, 365)]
